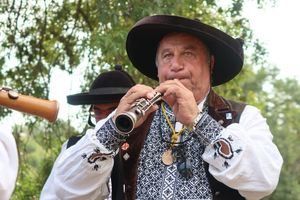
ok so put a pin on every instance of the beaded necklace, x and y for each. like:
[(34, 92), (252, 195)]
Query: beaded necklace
[(174, 135)]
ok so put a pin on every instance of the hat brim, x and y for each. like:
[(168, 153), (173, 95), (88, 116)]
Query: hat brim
[(97, 96), (143, 39)]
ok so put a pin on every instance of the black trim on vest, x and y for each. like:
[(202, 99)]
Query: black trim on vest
[(117, 178), (73, 140)]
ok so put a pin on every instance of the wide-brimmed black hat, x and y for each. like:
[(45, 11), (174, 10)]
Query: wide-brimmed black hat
[(107, 87), (143, 39)]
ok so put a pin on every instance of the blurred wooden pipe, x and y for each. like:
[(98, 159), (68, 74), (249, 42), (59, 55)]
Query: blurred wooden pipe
[(47, 109)]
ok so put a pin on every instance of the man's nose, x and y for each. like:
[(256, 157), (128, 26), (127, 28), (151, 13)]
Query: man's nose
[(176, 64)]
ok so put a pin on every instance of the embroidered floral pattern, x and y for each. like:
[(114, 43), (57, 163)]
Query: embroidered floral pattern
[(224, 149), (95, 157)]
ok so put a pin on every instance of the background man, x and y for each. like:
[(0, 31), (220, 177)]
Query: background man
[(79, 156)]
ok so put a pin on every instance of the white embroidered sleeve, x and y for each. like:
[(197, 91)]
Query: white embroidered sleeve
[(252, 163), (80, 172)]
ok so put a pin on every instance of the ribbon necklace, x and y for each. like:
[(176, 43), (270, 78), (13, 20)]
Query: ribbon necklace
[(174, 135)]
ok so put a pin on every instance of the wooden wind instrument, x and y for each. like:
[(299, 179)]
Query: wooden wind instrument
[(47, 109)]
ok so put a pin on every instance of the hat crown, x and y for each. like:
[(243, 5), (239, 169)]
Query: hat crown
[(113, 79), (106, 88)]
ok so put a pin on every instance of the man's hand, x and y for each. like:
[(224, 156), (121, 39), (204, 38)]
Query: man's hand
[(135, 93), (181, 100)]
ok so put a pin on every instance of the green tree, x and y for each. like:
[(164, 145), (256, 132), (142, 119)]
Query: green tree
[(283, 113)]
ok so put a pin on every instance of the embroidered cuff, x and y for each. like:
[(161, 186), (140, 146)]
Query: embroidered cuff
[(108, 136), (208, 129), (224, 152)]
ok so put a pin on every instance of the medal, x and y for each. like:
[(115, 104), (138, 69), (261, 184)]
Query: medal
[(167, 157)]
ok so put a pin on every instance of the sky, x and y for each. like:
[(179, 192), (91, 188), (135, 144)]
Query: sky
[(277, 27)]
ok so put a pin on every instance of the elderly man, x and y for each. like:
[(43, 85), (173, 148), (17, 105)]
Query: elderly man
[(193, 144), (197, 145)]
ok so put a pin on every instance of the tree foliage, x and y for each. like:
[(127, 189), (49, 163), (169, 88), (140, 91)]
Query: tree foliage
[(39, 36), (283, 113), (38, 147), (42, 35)]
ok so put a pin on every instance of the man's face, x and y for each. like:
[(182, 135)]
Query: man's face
[(184, 57), (101, 111)]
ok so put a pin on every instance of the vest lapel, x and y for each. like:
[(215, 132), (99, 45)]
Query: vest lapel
[(222, 110)]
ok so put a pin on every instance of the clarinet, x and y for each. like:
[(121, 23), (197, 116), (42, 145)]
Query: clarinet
[(125, 122)]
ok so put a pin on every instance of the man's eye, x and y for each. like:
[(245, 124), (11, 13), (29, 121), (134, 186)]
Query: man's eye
[(188, 53), (167, 55)]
